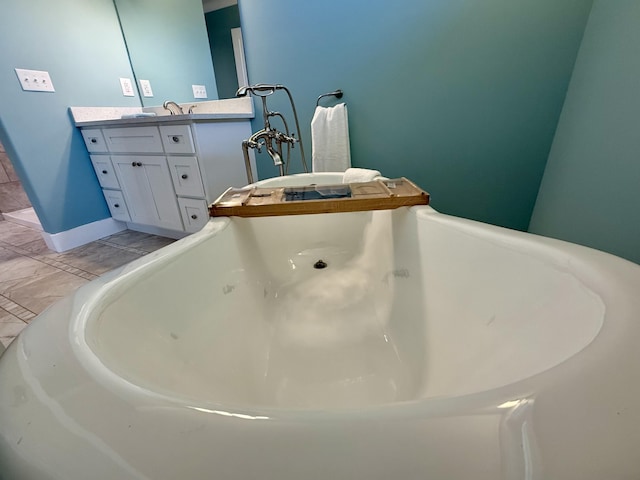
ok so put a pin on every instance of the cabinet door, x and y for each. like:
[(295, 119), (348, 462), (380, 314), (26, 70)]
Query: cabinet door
[(147, 188)]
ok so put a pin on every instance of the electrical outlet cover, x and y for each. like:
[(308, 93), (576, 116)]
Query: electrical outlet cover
[(127, 87), (145, 87), (199, 91)]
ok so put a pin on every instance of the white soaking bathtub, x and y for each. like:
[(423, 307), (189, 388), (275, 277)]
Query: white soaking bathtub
[(428, 347)]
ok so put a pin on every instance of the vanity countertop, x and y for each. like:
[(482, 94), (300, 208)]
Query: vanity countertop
[(209, 111), (186, 118)]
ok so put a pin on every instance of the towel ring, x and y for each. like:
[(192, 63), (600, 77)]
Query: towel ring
[(338, 94)]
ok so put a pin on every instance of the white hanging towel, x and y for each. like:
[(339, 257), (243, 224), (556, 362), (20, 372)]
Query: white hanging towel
[(330, 139)]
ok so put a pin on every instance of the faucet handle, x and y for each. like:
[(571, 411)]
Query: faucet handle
[(254, 144), (292, 140)]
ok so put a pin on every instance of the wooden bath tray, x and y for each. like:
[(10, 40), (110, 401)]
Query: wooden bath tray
[(307, 199)]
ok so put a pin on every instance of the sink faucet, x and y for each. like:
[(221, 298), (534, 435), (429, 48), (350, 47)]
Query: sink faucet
[(173, 107)]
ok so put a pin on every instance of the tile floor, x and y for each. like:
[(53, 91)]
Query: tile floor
[(32, 277), (12, 195)]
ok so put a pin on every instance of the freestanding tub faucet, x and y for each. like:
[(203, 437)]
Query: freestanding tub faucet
[(269, 136)]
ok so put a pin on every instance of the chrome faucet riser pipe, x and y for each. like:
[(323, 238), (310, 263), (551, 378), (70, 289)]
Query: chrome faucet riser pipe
[(247, 161)]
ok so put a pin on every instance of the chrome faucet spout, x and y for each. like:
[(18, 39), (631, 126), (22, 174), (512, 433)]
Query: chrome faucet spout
[(172, 107)]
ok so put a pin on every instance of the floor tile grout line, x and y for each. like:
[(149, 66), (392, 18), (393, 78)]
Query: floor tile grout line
[(49, 261), (25, 315), (56, 263), (123, 247), (16, 309), (65, 267)]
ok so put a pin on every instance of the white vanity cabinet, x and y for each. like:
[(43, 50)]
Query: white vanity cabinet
[(160, 176), (146, 184)]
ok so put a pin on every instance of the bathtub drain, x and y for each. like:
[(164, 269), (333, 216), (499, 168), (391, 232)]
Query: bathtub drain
[(320, 264)]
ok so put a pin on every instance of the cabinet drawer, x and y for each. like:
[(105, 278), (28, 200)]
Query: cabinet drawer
[(185, 174), (133, 140), (177, 139), (195, 213), (104, 171), (117, 205), (94, 140)]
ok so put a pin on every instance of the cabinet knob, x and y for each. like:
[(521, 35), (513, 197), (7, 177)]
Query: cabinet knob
[(94, 140), (133, 164), (105, 172), (184, 176), (139, 164), (116, 205), (175, 139), (194, 216)]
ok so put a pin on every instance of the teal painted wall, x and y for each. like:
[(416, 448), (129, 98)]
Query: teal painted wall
[(168, 45), (80, 44), (591, 188), (461, 96), (219, 25)]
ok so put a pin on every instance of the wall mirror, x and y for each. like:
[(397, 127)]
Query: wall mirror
[(174, 45)]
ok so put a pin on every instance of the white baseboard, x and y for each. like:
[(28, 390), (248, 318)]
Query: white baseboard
[(63, 241)]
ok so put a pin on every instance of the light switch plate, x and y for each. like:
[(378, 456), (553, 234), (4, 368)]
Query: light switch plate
[(35, 80), (145, 88), (127, 87), (199, 91)]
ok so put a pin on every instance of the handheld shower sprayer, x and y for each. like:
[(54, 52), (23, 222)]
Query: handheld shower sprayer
[(268, 134), (259, 89)]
